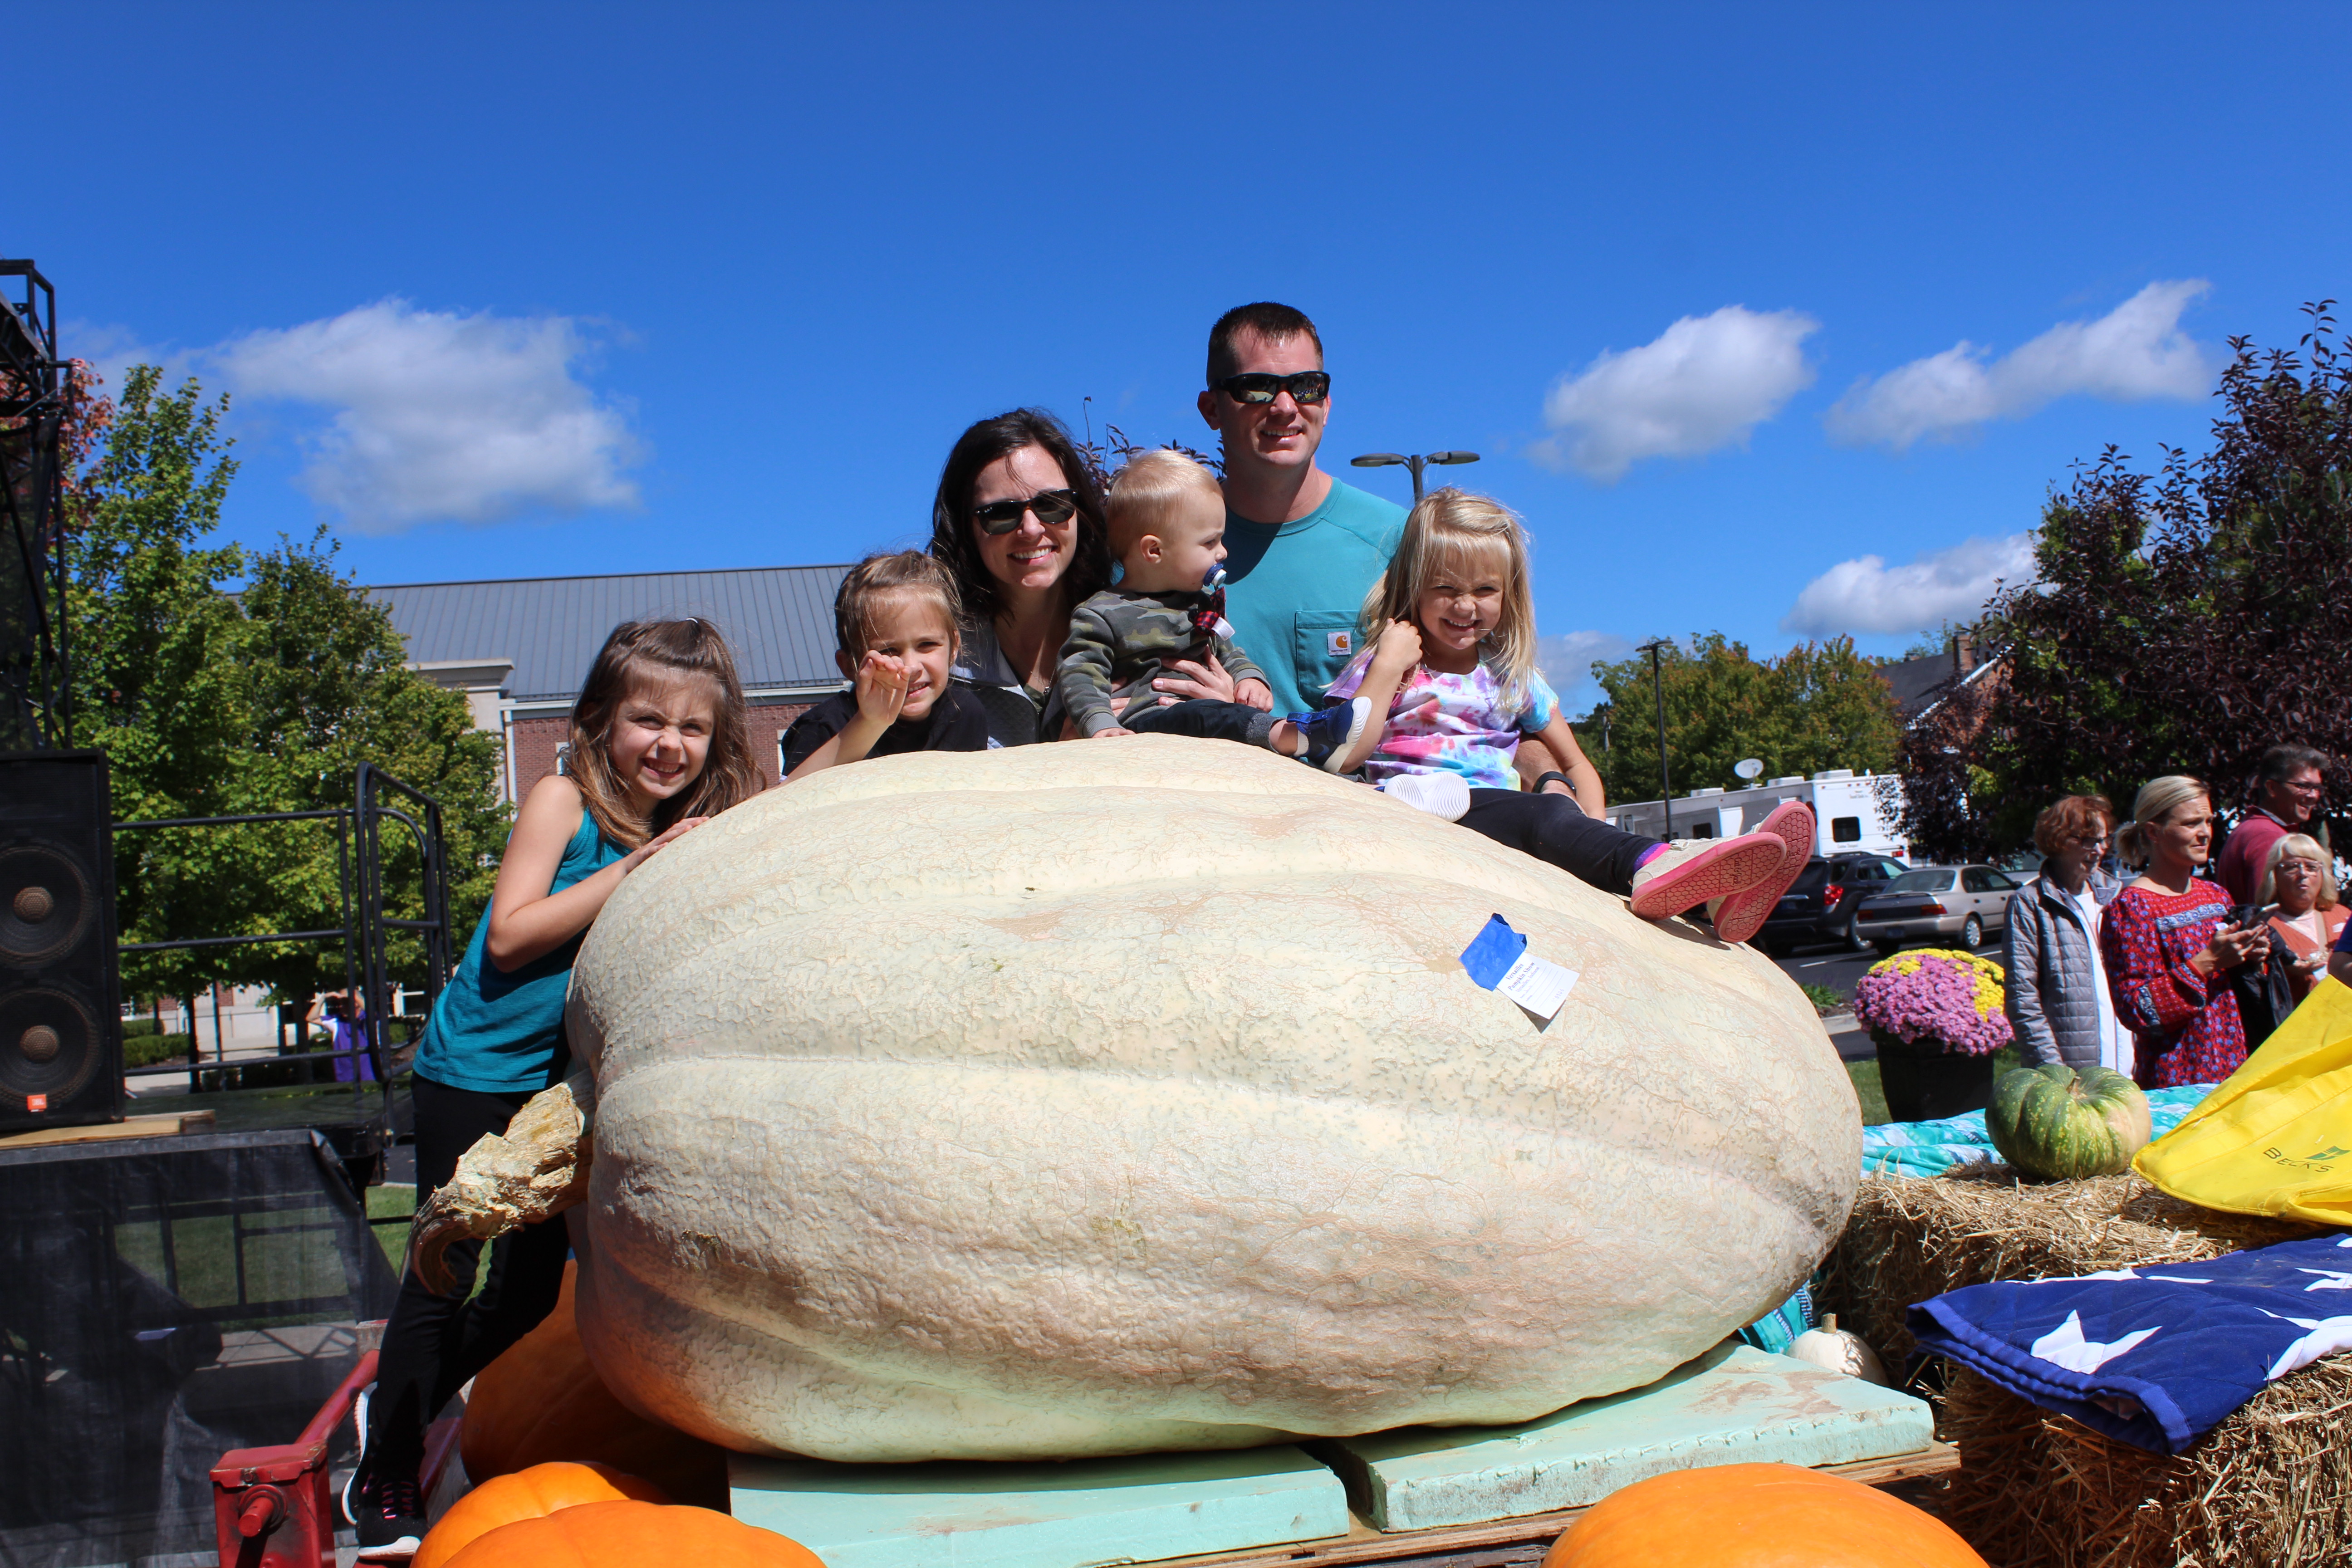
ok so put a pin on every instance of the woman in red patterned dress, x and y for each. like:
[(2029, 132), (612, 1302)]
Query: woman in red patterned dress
[(2168, 945)]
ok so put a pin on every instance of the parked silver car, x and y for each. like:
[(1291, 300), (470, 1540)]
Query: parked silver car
[(1958, 905)]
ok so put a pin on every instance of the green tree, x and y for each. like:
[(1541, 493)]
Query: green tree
[(225, 681), (1820, 705)]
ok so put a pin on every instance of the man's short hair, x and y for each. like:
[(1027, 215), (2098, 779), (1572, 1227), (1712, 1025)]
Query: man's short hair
[(1274, 323), (1145, 494), (2281, 762), (879, 579)]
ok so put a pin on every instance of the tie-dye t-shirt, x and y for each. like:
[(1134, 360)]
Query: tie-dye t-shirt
[(1450, 723)]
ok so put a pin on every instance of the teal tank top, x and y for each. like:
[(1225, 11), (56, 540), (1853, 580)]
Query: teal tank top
[(503, 1032)]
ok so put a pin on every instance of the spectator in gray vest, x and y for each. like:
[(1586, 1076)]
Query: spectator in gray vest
[(2058, 1001)]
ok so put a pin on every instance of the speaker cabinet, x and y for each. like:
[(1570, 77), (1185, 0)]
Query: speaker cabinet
[(60, 997)]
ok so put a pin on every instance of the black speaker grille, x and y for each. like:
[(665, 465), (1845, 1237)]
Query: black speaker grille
[(50, 1043), (44, 904)]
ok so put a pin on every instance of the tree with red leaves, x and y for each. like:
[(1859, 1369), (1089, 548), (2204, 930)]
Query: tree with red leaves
[(2183, 622)]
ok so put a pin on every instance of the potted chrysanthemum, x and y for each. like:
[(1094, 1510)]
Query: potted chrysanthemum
[(1937, 1018)]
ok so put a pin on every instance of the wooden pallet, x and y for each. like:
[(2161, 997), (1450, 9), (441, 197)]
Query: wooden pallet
[(1473, 1544), (169, 1126)]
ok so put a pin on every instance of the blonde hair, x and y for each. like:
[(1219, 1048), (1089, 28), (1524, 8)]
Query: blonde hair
[(1145, 494), (2298, 847), (856, 604), (1453, 532), (642, 651), (2157, 799)]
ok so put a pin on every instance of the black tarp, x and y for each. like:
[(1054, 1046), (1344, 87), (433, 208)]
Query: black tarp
[(163, 1300)]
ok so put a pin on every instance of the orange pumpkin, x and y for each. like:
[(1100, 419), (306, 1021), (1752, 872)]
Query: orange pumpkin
[(1756, 1516), (542, 1401), (533, 1493), (633, 1535)]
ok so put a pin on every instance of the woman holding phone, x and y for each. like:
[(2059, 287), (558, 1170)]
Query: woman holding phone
[(2170, 946)]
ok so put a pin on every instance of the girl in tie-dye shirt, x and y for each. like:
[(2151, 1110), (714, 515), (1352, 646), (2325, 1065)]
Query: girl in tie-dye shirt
[(1452, 670)]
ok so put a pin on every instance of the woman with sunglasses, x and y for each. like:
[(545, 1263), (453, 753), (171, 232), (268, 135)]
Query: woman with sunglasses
[(2057, 993), (1018, 520)]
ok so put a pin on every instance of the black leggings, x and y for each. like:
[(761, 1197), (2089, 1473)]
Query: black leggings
[(1202, 716), (433, 1343), (1554, 829)]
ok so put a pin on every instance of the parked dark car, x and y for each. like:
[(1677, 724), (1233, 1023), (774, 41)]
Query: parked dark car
[(1959, 904), (1820, 904)]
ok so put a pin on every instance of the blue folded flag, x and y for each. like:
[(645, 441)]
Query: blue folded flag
[(2156, 1355)]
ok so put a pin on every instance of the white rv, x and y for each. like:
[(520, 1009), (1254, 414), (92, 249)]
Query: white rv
[(1855, 814)]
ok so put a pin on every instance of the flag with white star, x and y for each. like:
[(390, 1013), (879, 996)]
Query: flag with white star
[(2155, 1355)]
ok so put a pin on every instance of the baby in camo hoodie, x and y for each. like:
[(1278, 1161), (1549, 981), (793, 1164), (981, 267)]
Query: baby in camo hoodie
[(1167, 518)]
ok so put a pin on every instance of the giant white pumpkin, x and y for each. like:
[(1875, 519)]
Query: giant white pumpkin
[(1130, 1095)]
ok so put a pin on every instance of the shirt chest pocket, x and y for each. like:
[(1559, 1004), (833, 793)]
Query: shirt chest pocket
[(1323, 642)]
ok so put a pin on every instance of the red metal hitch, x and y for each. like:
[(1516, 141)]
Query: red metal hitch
[(274, 1507)]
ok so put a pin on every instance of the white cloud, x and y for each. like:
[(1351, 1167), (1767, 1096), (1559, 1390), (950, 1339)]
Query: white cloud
[(1866, 595), (442, 416), (113, 350), (1705, 382), (1566, 660), (2134, 351)]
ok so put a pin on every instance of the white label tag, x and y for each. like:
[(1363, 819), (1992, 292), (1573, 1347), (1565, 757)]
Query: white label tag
[(1538, 984), (1340, 644)]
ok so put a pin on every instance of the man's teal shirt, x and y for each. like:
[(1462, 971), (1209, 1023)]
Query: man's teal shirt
[(1294, 593)]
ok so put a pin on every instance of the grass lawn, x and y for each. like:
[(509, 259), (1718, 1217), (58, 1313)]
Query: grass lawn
[(389, 1207), (1866, 1090)]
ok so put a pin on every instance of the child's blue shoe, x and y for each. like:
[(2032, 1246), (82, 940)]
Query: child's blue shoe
[(1330, 732)]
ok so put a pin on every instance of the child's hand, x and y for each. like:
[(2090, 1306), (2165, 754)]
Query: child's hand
[(881, 687), (1107, 735), (1251, 692), (1399, 650), (677, 829)]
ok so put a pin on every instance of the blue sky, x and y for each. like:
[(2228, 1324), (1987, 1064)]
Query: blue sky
[(526, 288)]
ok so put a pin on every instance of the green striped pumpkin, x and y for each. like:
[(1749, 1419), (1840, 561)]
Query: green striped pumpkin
[(2063, 1125)]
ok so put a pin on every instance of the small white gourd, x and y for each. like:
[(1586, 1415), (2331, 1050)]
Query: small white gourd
[(1834, 1350)]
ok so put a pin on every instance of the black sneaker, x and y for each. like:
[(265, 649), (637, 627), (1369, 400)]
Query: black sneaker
[(386, 1512), (1330, 731)]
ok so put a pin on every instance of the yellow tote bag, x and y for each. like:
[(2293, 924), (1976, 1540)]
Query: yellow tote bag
[(2277, 1138)]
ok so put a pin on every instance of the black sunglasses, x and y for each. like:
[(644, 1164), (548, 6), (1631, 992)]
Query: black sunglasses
[(1263, 386), (1054, 508)]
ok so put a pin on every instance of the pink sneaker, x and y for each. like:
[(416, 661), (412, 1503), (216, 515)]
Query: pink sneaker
[(1740, 916), (1694, 870)]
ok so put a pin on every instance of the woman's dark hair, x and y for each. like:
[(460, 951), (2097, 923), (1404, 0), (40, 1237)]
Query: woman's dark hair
[(952, 524), (661, 650)]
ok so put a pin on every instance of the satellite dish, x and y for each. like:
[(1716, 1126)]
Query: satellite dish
[(1748, 767)]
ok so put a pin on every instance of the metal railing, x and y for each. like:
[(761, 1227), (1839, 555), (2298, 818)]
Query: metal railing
[(366, 931)]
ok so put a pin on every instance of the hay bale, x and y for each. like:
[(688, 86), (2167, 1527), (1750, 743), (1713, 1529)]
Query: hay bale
[(1913, 1237), (2271, 1486)]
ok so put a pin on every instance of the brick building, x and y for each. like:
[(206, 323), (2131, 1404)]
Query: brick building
[(518, 647)]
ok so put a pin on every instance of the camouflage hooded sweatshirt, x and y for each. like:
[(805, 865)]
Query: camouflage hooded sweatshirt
[(1120, 642)]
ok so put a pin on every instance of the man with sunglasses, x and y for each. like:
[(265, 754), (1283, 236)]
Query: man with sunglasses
[(1304, 548), (2289, 798)]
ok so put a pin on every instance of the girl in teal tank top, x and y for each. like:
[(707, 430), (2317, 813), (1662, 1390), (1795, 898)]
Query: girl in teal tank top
[(658, 744)]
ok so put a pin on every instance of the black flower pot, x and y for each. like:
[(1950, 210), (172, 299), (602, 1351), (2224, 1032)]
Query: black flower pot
[(1926, 1085)]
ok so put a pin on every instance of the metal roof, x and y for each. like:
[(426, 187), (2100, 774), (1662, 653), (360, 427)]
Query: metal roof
[(778, 618)]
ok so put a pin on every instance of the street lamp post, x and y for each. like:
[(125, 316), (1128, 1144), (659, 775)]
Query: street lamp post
[(1397, 460), (1655, 648)]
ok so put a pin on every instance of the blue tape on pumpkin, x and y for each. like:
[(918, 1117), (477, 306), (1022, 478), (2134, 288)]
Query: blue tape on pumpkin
[(1492, 952)]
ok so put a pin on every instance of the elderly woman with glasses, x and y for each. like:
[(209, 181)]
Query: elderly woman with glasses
[(2298, 886), (2057, 993)]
